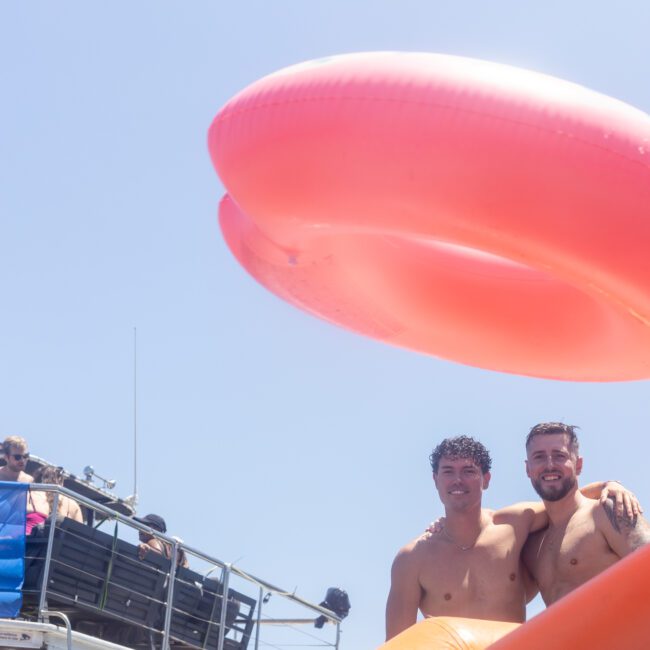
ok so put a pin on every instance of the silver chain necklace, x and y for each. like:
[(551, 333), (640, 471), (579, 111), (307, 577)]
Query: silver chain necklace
[(460, 546)]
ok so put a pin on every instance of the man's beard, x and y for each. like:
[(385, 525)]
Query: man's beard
[(556, 490)]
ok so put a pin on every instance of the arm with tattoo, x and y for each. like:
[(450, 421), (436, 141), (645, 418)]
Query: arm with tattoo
[(623, 534)]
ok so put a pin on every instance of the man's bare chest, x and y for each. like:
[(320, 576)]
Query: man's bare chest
[(571, 554), (491, 562), (482, 582)]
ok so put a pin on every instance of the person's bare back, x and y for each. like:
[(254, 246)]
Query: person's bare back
[(37, 501)]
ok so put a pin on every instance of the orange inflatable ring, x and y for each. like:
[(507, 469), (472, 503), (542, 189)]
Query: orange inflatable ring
[(473, 211), (450, 633)]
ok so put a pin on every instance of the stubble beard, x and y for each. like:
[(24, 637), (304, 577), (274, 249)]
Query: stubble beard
[(554, 492)]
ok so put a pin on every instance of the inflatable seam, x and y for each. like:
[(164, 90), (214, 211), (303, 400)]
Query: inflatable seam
[(236, 112)]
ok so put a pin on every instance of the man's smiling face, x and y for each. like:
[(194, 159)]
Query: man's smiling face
[(460, 482), (552, 465)]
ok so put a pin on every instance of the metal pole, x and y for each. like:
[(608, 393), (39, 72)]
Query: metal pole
[(170, 596), (42, 604), (289, 621), (135, 416), (329, 615), (66, 620), (224, 606), (338, 634), (259, 620)]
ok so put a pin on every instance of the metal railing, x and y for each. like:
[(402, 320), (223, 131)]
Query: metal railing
[(246, 611)]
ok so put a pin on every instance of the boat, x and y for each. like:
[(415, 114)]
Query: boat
[(86, 587)]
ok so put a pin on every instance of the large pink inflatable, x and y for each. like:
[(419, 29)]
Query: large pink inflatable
[(469, 210)]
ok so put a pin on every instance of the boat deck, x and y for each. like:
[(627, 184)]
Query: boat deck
[(86, 587)]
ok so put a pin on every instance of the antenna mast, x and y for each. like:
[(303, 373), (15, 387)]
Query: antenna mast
[(135, 416)]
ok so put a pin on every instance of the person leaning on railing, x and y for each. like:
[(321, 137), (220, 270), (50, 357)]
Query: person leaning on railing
[(40, 503), (151, 544)]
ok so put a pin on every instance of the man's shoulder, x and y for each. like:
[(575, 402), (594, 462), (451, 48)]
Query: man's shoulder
[(413, 556), (424, 543), (622, 533), (606, 517), (155, 543)]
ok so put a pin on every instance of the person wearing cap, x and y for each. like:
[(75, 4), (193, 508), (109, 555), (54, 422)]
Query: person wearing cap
[(151, 544), (14, 449)]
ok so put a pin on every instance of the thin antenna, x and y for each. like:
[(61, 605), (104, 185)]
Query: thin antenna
[(135, 416)]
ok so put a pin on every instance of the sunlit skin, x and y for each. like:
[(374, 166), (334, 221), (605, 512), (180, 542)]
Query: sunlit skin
[(149, 543), (470, 565), (471, 569), (37, 501), (552, 466), (460, 484), (582, 539), (14, 469), (43, 502)]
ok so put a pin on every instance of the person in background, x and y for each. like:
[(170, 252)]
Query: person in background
[(151, 544), (40, 504), (16, 455)]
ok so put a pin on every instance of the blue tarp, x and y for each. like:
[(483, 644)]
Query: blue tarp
[(13, 502)]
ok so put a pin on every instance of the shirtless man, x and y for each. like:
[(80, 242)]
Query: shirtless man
[(16, 456), (582, 539), (472, 567)]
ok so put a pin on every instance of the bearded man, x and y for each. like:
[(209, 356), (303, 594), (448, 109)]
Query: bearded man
[(583, 538), (470, 565), (14, 449)]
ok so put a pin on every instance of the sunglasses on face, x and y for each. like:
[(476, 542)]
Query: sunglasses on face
[(20, 456)]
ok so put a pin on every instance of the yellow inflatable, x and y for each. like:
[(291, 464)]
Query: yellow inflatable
[(450, 633)]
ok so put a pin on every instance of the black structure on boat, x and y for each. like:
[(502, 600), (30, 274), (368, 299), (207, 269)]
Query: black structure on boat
[(106, 591)]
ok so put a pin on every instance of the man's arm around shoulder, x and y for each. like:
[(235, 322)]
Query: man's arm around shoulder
[(623, 534), (405, 590), (532, 514), (529, 515)]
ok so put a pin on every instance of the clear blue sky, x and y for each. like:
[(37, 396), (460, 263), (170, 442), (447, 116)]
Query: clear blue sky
[(265, 434)]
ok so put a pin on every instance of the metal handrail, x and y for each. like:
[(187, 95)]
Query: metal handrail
[(42, 604), (129, 521), (176, 545), (170, 596), (224, 606), (46, 613)]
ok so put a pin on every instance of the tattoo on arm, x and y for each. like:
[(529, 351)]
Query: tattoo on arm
[(636, 530), (640, 536), (620, 523)]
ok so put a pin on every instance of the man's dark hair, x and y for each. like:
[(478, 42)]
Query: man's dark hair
[(461, 447), (549, 428)]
